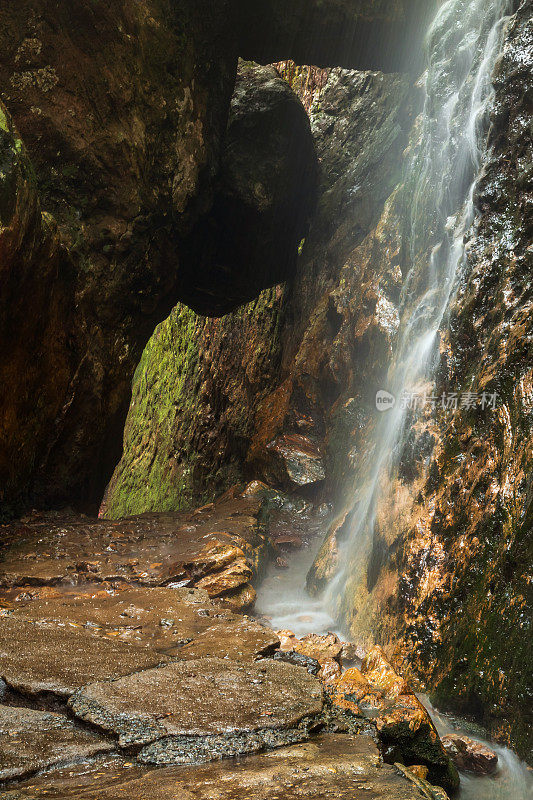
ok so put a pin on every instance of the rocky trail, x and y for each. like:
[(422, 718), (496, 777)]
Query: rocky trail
[(130, 668)]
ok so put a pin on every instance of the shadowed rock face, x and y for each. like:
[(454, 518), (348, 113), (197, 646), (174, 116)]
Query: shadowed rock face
[(263, 198), (123, 121), (123, 110)]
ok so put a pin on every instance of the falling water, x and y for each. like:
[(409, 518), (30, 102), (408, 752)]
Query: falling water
[(462, 45)]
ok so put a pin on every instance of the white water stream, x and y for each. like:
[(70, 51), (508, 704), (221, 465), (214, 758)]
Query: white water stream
[(462, 46)]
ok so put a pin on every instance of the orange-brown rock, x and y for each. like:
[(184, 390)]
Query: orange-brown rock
[(288, 640), (324, 648), (380, 673), (419, 771), (404, 727), (470, 756), (330, 671), (227, 580)]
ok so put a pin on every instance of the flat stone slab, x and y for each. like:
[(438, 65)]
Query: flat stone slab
[(180, 622), (33, 740), (36, 658), (150, 549), (203, 709), (329, 767)]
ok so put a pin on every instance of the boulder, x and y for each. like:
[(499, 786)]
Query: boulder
[(324, 648), (297, 460), (470, 756), (264, 197), (377, 693)]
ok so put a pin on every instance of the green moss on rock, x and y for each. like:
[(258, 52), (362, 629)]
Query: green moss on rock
[(191, 414)]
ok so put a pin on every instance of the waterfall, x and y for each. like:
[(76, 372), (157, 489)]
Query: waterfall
[(462, 46)]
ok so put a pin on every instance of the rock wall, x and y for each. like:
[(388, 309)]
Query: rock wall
[(467, 567), (123, 122), (447, 573), (122, 108), (212, 401)]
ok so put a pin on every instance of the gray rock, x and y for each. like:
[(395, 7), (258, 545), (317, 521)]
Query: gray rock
[(204, 709), (332, 767), (32, 740)]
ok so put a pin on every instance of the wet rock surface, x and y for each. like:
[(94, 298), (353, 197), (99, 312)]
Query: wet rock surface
[(203, 709), (222, 540), (151, 677), (297, 460), (470, 756), (332, 766), (174, 622), (406, 733), (37, 658), (477, 585), (32, 740)]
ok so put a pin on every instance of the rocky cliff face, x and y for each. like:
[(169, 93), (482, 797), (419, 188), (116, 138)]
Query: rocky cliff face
[(128, 183), (448, 569), (230, 408), (122, 108), (467, 565)]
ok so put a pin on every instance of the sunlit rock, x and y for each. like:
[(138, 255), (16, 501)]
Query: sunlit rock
[(470, 756)]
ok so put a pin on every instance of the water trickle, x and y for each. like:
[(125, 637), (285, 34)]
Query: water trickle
[(462, 46)]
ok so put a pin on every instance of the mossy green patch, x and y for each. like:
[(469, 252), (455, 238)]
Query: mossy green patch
[(191, 415)]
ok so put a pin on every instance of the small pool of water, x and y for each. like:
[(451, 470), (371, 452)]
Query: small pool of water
[(282, 599)]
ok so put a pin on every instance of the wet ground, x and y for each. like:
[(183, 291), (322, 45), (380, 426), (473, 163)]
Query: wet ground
[(127, 673), (283, 601)]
